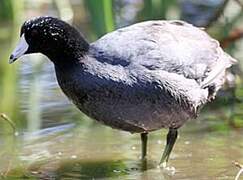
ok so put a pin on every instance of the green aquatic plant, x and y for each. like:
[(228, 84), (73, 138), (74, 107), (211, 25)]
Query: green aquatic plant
[(156, 9), (101, 13), (7, 119)]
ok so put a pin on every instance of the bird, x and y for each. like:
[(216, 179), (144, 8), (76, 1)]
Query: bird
[(140, 78)]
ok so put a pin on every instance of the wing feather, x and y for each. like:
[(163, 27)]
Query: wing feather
[(168, 46)]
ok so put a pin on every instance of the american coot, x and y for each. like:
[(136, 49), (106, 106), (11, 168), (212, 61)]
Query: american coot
[(141, 78)]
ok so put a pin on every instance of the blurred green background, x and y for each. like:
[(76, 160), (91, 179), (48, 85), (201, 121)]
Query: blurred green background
[(51, 129)]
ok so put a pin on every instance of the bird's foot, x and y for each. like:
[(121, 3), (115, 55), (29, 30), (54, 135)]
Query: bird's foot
[(163, 165), (170, 170)]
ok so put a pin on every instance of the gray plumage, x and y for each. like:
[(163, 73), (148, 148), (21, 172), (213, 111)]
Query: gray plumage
[(147, 76)]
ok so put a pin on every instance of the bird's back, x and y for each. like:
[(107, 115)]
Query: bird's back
[(175, 47)]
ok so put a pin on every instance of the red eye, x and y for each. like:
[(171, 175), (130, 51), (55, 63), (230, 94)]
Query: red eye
[(34, 32)]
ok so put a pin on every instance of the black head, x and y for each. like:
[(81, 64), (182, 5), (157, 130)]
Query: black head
[(51, 37)]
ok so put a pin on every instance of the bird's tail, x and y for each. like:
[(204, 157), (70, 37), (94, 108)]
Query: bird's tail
[(216, 76), (218, 70)]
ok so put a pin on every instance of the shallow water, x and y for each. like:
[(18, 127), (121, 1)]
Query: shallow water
[(56, 141), (96, 152)]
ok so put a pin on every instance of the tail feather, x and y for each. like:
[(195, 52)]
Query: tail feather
[(216, 75)]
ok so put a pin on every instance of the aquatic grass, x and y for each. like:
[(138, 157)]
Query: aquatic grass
[(10, 10), (6, 10), (101, 13), (147, 9), (156, 9), (8, 78), (7, 119), (108, 15)]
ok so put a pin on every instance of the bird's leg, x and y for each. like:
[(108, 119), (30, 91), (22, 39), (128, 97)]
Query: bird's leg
[(144, 138), (171, 139)]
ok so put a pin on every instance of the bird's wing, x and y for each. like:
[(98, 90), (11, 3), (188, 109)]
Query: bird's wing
[(171, 46)]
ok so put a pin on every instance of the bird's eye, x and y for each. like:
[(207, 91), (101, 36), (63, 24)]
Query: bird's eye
[(34, 32)]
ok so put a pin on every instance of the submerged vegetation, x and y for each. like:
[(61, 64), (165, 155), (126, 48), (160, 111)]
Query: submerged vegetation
[(30, 97)]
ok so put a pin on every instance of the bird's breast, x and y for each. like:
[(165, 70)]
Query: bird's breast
[(129, 108)]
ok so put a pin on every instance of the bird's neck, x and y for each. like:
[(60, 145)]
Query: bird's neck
[(71, 51)]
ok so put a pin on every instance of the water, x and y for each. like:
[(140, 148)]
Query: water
[(56, 141), (74, 152)]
